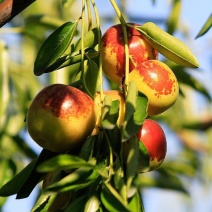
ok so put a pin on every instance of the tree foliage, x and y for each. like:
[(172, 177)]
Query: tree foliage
[(52, 46)]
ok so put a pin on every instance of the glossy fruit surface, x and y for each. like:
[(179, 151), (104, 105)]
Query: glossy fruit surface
[(60, 117), (157, 81), (114, 95), (152, 136), (113, 55)]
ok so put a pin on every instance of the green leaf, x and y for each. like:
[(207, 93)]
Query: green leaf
[(111, 116), (168, 45), (86, 151), (78, 179), (92, 205), (143, 163), (62, 161), (54, 46), (135, 203), (42, 203), (64, 61), (173, 19), (111, 199), (205, 27), (14, 185), (136, 112), (132, 159), (34, 177), (77, 204), (90, 40), (91, 81)]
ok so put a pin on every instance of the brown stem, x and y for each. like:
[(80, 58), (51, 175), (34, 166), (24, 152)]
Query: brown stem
[(10, 8)]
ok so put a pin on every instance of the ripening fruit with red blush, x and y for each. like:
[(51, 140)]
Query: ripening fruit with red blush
[(157, 81), (113, 53), (60, 118), (153, 137)]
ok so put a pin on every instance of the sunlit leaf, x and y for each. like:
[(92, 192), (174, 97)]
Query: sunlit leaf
[(79, 179), (62, 161), (91, 81), (110, 118), (54, 46), (90, 40), (92, 204), (136, 112), (135, 202), (42, 203), (111, 199), (205, 27), (132, 149), (173, 19), (168, 45)]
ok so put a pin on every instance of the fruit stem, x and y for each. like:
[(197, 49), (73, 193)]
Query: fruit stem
[(82, 49), (111, 171), (89, 15), (99, 46), (126, 48), (82, 43)]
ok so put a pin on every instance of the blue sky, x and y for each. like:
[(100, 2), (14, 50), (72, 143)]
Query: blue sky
[(194, 14)]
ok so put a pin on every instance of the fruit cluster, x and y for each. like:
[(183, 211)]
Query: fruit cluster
[(61, 117)]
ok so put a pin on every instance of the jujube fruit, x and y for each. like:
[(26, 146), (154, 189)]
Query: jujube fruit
[(113, 53), (157, 81), (60, 117), (153, 137)]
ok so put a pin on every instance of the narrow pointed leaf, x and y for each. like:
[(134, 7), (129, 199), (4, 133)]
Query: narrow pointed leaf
[(60, 162), (168, 45), (135, 203), (90, 40), (54, 46), (205, 27), (174, 16), (34, 177), (111, 199), (136, 112), (92, 78), (110, 118), (14, 185), (132, 160)]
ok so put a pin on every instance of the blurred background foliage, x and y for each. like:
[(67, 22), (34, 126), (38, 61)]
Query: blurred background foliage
[(188, 124)]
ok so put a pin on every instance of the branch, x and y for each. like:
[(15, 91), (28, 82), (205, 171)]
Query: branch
[(10, 8)]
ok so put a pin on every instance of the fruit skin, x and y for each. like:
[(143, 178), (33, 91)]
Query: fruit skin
[(115, 95), (157, 81), (153, 137), (112, 50), (60, 117)]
